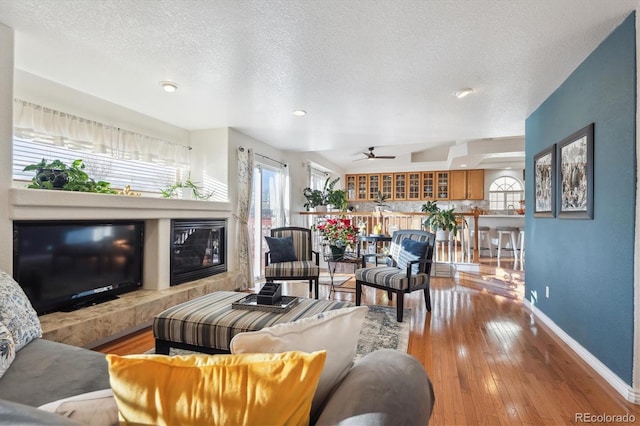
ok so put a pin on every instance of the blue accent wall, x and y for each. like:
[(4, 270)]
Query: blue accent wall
[(588, 264)]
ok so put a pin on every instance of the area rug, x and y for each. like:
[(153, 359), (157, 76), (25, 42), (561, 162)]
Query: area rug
[(380, 331)]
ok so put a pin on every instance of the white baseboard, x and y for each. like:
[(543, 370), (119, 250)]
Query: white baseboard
[(628, 392)]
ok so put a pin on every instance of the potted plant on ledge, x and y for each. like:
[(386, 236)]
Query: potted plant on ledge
[(442, 222)]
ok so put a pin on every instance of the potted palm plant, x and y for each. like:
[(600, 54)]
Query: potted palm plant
[(379, 200)]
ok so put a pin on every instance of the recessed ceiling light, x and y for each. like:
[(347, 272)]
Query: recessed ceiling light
[(169, 86), (299, 112), (463, 165), (463, 92)]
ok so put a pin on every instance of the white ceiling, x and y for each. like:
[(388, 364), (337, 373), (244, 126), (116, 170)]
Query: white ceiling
[(369, 72)]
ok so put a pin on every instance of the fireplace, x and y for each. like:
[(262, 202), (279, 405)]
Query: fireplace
[(198, 249)]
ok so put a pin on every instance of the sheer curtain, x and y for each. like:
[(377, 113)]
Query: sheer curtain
[(37, 123), (281, 197), (245, 184)]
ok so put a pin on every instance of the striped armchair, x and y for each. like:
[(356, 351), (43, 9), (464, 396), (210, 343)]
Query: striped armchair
[(307, 263), (409, 268)]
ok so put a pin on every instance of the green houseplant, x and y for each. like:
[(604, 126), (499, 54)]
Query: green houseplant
[(58, 175), (441, 219), (432, 208), (195, 189), (338, 199), (380, 199), (314, 198), (318, 198)]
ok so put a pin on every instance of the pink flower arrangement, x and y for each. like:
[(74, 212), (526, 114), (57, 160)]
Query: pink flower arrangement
[(338, 232)]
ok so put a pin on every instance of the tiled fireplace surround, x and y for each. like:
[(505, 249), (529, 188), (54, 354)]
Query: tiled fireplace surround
[(97, 324)]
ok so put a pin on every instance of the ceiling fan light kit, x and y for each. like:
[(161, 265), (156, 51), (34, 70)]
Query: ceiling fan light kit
[(463, 92), (371, 156)]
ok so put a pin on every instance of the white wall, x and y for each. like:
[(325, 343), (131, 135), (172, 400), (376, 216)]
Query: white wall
[(37, 90), (6, 102), (209, 159)]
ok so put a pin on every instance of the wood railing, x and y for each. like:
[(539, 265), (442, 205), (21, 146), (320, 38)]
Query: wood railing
[(393, 221)]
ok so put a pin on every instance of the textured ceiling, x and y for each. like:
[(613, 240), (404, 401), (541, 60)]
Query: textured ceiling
[(369, 72)]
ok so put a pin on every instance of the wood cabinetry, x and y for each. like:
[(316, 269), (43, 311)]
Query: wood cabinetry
[(415, 186), (457, 184), (428, 186), (399, 186), (361, 188), (466, 184), (350, 187), (386, 185), (442, 185), (475, 184), (373, 185)]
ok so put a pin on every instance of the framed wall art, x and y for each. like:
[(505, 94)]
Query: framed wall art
[(544, 178), (575, 175)]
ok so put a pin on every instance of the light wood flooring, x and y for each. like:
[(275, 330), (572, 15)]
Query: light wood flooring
[(491, 362)]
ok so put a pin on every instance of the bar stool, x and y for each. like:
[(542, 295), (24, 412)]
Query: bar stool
[(510, 233), (521, 243), (463, 238), (483, 236)]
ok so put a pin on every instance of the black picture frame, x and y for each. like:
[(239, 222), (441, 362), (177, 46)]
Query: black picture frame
[(575, 175), (544, 188)]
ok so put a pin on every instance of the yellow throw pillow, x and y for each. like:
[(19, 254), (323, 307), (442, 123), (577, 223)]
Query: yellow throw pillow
[(249, 389)]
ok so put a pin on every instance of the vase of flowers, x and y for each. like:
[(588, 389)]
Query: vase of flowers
[(339, 233)]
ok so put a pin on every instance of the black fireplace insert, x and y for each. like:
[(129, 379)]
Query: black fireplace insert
[(198, 249)]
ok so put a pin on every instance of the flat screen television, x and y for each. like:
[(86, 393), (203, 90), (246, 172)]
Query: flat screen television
[(65, 265)]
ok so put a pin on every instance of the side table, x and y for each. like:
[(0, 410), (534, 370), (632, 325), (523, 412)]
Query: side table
[(332, 262), (378, 240)]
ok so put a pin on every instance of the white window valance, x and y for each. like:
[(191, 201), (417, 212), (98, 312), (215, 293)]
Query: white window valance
[(45, 125)]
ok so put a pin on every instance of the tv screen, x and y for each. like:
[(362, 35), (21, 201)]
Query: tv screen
[(66, 265)]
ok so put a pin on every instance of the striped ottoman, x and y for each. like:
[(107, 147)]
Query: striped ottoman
[(207, 324)]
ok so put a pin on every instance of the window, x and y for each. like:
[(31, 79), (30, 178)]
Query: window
[(119, 156), (317, 178), (269, 209), (140, 175), (505, 194)]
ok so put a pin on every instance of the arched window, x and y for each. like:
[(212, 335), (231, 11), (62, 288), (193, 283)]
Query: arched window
[(505, 194)]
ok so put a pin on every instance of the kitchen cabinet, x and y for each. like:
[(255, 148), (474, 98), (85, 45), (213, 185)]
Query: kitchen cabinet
[(428, 185), (413, 185), (399, 186), (457, 184), (386, 185), (373, 186), (466, 184), (350, 187), (475, 184), (442, 185), (356, 186)]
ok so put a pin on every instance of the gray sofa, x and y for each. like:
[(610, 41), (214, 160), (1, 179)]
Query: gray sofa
[(385, 387)]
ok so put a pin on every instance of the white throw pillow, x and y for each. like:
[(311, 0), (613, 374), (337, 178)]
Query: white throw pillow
[(96, 408), (7, 349), (335, 331), (17, 313)]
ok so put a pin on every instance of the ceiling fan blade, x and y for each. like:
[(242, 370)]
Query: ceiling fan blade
[(384, 157)]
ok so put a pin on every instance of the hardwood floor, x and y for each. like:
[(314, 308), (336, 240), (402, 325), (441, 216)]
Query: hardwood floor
[(491, 362)]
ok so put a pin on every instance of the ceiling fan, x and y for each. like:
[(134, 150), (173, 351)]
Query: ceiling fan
[(371, 156)]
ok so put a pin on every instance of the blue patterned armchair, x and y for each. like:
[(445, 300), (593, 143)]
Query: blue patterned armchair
[(290, 257), (408, 268)]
